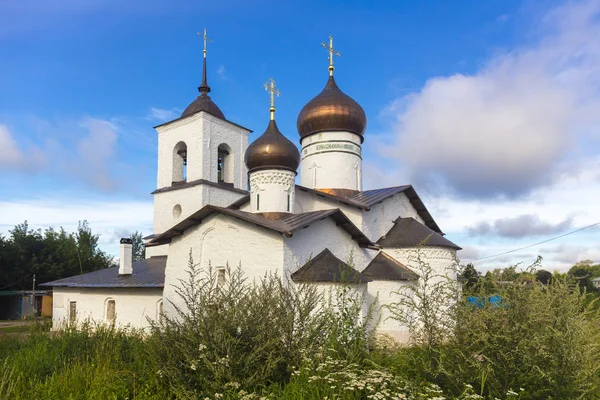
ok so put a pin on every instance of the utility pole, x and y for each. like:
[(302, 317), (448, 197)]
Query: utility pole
[(33, 296)]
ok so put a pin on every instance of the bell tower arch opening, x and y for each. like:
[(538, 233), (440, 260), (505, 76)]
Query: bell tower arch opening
[(225, 167), (180, 162)]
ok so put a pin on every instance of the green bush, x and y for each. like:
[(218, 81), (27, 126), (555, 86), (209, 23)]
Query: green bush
[(272, 339), (542, 338), (246, 336), (539, 341)]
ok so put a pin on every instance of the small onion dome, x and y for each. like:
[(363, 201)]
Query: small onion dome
[(331, 110), (272, 150), (203, 102)]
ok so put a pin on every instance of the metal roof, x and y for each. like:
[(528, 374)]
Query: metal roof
[(366, 199), (284, 223), (148, 273), (184, 184), (408, 232), (326, 267), (386, 268), (331, 110)]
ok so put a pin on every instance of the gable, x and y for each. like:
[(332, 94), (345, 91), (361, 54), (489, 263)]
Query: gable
[(408, 232), (283, 223), (386, 268), (326, 267), (366, 199)]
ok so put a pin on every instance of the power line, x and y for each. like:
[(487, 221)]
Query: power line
[(535, 244), (36, 269)]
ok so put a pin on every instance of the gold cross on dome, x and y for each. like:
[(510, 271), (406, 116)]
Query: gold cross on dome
[(270, 87), (203, 36), (332, 52)]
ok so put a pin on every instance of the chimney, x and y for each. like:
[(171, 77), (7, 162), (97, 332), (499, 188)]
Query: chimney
[(125, 258)]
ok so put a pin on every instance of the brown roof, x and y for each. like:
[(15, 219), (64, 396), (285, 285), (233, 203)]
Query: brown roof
[(326, 267), (366, 199), (183, 185), (386, 268), (238, 203), (284, 223), (408, 232), (272, 150), (331, 110)]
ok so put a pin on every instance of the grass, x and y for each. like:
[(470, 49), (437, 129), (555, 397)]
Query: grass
[(267, 341), (14, 329)]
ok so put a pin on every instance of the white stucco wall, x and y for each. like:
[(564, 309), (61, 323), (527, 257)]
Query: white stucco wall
[(308, 243), (272, 191), (441, 259), (331, 160), (133, 306), (382, 294), (338, 296), (189, 200), (153, 251), (222, 240), (202, 133), (380, 218), (306, 202)]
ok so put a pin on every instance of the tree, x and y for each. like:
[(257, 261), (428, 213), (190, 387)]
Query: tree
[(543, 276), (138, 250), (584, 272), (470, 275), (50, 255)]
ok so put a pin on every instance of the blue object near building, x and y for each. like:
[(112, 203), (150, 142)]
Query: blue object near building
[(480, 301)]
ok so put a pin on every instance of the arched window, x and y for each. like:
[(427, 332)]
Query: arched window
[(72, 311), (111, 312), (180, 162), (224, 164), (159, 312)]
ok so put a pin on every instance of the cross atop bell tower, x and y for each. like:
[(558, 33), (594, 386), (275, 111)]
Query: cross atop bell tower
[(206, 39)]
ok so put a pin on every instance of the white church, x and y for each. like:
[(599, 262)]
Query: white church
[(233, 203)]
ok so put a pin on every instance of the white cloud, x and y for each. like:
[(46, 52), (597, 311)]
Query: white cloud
[(504, 130), (221, 72), (520, 226), (163, 115), (12, 156), (95, 151), (85, 148), (111, 219), (574, 198)]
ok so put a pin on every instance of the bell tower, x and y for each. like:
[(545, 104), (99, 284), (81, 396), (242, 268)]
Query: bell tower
[(200, 159)]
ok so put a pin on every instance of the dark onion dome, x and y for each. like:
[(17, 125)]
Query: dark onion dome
[(272, 150), (203, 102), (331, 110)]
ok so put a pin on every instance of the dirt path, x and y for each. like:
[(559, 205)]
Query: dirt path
[(6, 324)]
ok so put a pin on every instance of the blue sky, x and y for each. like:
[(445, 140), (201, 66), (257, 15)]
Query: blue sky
[(483, 106)]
